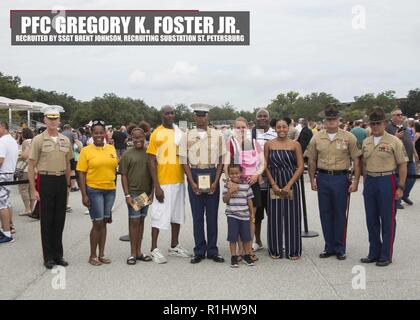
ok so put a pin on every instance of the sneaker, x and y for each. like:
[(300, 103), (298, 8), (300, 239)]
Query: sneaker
[(179, 251), (74, 189), (157, 256), (408, 201), (257, 247), (69, 209), (248, 260), (87, 212), (6, 239), (234, 262)]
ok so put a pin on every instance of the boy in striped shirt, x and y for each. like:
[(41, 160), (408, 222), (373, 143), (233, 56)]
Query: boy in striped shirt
[(240, 212)]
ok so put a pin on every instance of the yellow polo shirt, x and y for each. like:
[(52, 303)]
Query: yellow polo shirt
[(162, 145), (100, 164)]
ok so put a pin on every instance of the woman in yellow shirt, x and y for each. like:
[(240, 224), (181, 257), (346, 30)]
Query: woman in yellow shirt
[(97, 164)]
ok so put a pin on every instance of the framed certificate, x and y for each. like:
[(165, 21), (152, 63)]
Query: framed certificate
[(140, 201), (274, 196), (204, 182)]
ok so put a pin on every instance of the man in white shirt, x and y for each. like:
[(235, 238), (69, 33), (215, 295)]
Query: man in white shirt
[(8, 158), (262, 133)]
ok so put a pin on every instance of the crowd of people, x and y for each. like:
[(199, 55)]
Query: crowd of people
[(260, 165)]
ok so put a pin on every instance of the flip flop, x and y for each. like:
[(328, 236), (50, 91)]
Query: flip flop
[(142, 257), (131, 260)]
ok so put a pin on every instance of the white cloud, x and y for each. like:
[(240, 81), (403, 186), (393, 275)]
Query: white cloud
[(182, 76)]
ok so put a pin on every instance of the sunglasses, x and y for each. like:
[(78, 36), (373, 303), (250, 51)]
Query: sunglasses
[(101, 122)]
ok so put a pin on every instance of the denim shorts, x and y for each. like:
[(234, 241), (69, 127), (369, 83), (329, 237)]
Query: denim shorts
[(238, 228), (101, 202), (137, 214)]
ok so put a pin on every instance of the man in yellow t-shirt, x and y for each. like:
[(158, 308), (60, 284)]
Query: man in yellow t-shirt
[(168, 181)]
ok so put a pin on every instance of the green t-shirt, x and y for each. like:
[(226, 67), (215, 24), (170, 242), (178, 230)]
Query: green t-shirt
[(133, 164)]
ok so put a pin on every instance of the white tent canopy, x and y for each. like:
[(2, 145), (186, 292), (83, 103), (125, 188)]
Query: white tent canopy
[(21, 105), (37, 106), (4, 102)]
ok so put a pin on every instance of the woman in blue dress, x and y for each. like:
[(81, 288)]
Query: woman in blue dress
[(284, 160)]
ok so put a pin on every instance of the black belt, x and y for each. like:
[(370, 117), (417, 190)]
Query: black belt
[(333, 172)]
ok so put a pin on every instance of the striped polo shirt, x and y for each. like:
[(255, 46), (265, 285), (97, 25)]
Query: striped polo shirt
[(238, 204)]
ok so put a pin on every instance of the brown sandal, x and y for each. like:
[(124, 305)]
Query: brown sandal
[(95, 262), (104, 260)]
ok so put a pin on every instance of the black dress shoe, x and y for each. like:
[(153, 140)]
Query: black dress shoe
[(399, 206), (326, 254), (368, 260), (408, 201), (49, 264), (61, 262), (383, 263), (217, 258), (196, 259), (341, 256)]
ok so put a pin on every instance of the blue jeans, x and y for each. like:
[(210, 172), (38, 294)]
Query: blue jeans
[(409, 182), (101, 202)]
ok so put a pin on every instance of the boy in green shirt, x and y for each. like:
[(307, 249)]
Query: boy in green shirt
[(136, 180)]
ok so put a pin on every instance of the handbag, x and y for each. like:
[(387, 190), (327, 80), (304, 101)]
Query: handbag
[(20, 169)]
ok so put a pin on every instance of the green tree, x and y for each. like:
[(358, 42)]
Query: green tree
[(411, 105), (224, 112), (283, 105), (366, 102), (183, 113)]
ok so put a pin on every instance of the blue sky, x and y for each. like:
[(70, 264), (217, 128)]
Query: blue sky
[(305, 46)]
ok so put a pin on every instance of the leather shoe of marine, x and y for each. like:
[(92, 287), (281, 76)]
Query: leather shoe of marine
[(49, 264), (326, 254), (217, 258), (368, 260), (61, 262), (196, 259), (383, 263)]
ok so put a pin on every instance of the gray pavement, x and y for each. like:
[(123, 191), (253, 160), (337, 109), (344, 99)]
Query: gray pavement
[(22, 275)]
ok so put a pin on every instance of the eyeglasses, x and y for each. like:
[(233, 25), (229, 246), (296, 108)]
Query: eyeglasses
[(95, 122)]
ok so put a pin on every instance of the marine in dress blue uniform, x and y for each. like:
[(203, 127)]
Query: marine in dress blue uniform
[(330, 153), (383, 153), (202, 150)]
